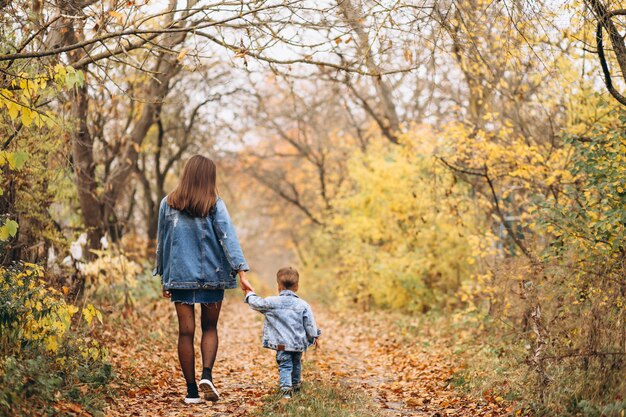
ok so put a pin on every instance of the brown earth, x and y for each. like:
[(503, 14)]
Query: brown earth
[(357, 353)]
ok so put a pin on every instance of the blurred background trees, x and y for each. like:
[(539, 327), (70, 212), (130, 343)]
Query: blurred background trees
[(463, 159)]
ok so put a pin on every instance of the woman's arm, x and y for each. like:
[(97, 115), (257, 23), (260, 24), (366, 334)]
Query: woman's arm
[(228, 238), (158, 270)]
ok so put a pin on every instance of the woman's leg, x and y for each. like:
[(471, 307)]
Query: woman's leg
[(208, 319), (186, 329)]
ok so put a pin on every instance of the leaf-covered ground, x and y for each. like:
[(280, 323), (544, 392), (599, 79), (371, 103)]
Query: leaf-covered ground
[(362, 368)]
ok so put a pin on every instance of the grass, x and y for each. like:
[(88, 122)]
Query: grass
[(317, 400)]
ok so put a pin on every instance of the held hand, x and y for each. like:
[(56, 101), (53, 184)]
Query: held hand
[(167, 294), (246, 287), (316, 344), (244, 283)]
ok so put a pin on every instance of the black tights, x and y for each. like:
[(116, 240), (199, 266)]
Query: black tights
[(210, 313)]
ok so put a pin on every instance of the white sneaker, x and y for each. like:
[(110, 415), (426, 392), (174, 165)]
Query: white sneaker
[(210, 392), (193, 400), (285, 392), (192, 395)]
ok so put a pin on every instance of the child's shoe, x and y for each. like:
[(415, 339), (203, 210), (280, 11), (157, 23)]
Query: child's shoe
[(206, 385), (192, 394), (297, 388), (285, 392)]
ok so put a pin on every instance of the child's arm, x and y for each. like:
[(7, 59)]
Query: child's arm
[(312, 332), (257, 303)]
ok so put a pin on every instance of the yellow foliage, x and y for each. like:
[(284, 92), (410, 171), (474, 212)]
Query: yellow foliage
[(399, 235), (89, 312), (110, 269), (40, 315)]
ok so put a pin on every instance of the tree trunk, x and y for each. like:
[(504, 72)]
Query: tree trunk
[(155, 92), (605, 23), (84, 169), (99, 211), (354, 18)]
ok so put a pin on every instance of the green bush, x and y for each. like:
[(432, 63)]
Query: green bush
[(49, 364), (580, 290)]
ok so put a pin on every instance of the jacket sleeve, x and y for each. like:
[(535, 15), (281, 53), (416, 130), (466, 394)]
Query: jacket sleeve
[(228, 238), (312, 332), (258, 303), (158, 270)]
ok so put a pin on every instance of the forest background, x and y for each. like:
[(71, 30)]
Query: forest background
[(461, 163)]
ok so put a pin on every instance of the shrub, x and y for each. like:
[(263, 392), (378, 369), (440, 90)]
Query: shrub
[(112, 277), (578, 289), (400, 236), (49, 365)]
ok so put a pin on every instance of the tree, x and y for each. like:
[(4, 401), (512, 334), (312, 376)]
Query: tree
[(154, 43), (298, 149), (607, 22), (181, 129)]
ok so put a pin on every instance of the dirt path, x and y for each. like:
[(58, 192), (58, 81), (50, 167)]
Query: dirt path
[(400, 379), (153, 384)]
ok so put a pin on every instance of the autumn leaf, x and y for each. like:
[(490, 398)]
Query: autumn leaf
[(182, 54), (408, 55)]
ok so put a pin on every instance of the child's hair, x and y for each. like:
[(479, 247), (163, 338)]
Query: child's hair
[(288, 277)]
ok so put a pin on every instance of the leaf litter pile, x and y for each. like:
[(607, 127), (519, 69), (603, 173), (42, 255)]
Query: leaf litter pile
[(355, 354)]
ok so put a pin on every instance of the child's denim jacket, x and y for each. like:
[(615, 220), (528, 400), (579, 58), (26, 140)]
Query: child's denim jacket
[(289, 322)]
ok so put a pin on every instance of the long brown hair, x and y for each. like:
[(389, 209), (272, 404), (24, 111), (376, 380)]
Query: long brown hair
[(196, 192)]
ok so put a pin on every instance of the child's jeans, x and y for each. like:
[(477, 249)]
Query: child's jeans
[(289, 368)]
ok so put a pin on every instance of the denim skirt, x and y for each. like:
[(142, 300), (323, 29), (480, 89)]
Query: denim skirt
[(201, 296)]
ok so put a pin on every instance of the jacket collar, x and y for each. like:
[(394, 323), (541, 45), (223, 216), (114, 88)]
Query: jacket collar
[(288, 293)]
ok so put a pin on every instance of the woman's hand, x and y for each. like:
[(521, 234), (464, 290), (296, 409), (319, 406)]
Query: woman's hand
[(244, 283), (167, 294)]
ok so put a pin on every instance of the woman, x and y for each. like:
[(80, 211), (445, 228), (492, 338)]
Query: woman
[(198, 256)]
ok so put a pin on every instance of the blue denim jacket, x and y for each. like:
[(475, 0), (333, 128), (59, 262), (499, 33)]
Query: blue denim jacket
[(197, 252), (289, 322)]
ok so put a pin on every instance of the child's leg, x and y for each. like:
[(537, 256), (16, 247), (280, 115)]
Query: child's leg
[(285, 367), (296, 373)]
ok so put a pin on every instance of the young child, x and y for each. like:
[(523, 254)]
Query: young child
[(289, 328)]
